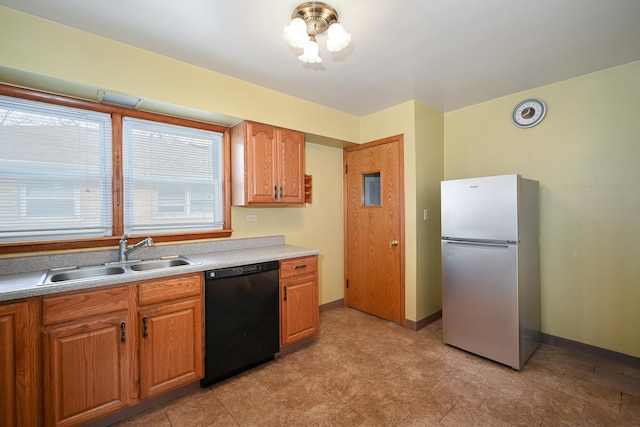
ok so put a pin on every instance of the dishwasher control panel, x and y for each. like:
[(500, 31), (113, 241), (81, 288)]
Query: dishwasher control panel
[(241, 270)]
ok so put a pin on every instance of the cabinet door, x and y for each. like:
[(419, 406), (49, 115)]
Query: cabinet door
[(86, 370), (18, 360), (171, 346), (299, 308), (291, 167), (261, 164)]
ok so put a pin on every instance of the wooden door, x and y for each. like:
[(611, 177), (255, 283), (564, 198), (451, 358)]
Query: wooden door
[(291, 166), (171, 346), (261, 153), (374, 228), (86, 370)]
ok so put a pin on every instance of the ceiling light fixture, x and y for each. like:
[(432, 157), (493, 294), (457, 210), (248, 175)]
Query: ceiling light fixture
[(312, 19)]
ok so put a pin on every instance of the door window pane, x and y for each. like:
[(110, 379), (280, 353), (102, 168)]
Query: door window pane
[(371, 189)]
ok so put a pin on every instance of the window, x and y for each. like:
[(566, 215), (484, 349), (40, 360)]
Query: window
[(173, 178), (55, 172), (371, 189), (79, 174)]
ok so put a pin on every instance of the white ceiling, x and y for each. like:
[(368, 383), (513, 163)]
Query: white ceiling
[(447, 54)]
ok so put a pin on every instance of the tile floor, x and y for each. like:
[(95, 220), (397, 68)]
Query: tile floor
[(363, 371)]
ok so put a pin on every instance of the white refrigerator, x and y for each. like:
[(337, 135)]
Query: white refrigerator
[(491, 267)]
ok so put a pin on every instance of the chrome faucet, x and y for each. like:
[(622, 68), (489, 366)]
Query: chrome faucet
[(124, 252)]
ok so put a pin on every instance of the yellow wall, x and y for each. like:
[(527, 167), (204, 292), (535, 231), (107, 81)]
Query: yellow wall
[(586, 155), (429, 172)]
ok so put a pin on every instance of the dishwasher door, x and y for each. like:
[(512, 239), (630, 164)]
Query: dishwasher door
[(242, 325)]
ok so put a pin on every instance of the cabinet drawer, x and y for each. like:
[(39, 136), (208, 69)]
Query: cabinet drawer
[(297, 266), (80, 305), (170, 289)]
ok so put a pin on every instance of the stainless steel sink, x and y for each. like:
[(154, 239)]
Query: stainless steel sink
[(160, 263), (59, 275), (74, 273)]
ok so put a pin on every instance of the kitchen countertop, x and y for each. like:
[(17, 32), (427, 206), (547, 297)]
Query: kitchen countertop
[(22, 285)]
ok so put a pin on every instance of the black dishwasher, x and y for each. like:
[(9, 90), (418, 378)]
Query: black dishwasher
[(241, 319)]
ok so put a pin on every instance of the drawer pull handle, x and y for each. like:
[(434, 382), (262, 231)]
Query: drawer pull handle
[(300, 267), (145, 325), (123, 329)]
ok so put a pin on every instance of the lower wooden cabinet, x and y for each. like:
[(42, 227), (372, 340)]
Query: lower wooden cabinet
[(86, 371), (20, 397), (109, 348), (87, 352), (171, 334), (299, 309)]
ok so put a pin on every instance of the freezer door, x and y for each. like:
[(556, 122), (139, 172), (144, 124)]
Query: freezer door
[(484, 209), (480, 299)]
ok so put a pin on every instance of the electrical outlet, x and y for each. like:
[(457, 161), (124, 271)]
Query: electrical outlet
[(252, 218), (426, 214)]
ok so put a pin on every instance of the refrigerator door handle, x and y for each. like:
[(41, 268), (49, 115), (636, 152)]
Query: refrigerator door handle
[(495, 245)]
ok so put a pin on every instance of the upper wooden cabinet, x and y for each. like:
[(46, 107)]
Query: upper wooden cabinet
[(267, 165)]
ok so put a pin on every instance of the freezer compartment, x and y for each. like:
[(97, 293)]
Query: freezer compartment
[(481, 209), (480, 299)]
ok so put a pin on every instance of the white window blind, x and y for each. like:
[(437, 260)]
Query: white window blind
[(55, 172), (173, 178)]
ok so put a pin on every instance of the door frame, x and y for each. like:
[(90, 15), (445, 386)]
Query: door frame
[(401, 212)]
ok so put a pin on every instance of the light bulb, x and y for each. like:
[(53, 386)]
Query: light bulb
[(310, 54), (337, 38), (296, 33)]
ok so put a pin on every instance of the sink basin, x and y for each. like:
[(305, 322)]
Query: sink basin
[(75, 273), (59, 275), (160, 263)]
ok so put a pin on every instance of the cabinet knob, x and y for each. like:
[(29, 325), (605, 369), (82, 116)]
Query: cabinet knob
[(393, 243)]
